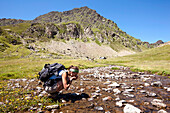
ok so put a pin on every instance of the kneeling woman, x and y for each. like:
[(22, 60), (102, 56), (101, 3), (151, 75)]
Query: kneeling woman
[(63, 81)]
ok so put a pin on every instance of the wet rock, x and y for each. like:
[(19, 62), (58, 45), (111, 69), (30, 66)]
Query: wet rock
[(156, 84), (120, 103), (114, 85), (158, 103), (39, 88), (116, 91), (146, 84), (24, 80), (151, 94), (135, 76), (107, 98), (52, 107), (99, 108), (32, 80), (131, 109), (82, 90), (129, 95), (167, 88), (40, 95), (143, 91), (117, 98), (162, 111), (17, 85), (129, 90), (90, 99), (63, 101), (107, 82), (98, 91), (40, 104)]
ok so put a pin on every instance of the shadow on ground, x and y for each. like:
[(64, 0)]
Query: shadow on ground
[(69, 97)]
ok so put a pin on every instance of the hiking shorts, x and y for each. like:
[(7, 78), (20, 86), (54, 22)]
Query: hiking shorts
[(56, 87)]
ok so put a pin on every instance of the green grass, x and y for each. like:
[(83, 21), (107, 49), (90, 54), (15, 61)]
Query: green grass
[(156, 60), (29, 68), (18, 28)]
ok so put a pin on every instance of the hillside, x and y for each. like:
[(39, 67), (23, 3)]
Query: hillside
[(83, 26), (155, 60)]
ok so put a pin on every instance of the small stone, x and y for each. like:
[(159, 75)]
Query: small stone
[(98, 91), (116, 91), (40, 95), (39, 88), (90, 99), (99, 108), (114, 85), (150, 94), (117, 98), (107, 98), (158, 103), (156, 84), (107, 82), (131, 109), (120, 103), (146, 84), (63, 101), (82, 90), (52, 107), (40, 104), (162, 111)]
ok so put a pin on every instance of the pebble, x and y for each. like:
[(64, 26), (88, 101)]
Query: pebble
[(99, 108), (146, 84), (156, 84), (107, 98), (52, 107), (116, 91), (120, 103), (114, 85), (150, 94), (158, 103), (131, 109), (162, 111)]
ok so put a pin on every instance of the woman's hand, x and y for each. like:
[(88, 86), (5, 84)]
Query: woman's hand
[(73, 78)]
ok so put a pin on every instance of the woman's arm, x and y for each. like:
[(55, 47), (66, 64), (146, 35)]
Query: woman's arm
[(64, 80)]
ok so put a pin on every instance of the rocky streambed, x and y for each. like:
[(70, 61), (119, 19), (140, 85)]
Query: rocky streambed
[(105, 90)]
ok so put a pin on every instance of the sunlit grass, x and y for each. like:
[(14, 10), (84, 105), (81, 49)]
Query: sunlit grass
[(29, 68), (155, 60)]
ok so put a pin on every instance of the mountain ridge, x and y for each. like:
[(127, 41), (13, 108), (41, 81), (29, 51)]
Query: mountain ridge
[(83, 24)]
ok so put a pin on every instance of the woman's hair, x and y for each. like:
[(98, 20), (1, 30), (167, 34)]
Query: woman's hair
[(73, 67)]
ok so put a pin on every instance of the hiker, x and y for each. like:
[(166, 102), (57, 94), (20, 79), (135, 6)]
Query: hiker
[(62, 81)]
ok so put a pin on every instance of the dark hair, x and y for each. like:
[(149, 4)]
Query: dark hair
[(73, 67)]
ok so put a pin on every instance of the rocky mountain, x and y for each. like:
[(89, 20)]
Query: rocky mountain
[(80, 24)]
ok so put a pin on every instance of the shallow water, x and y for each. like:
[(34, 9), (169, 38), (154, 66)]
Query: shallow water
[(140, 96), (104, 90)]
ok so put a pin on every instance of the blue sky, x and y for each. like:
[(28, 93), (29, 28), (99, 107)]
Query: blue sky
[(147, 20)]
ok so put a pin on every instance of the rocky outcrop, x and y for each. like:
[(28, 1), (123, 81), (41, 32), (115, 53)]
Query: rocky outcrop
[(5, 22), (83, 24)]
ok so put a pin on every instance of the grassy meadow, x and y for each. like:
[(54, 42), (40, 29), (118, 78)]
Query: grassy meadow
[(13, 66), (29, 68), (156, 60)]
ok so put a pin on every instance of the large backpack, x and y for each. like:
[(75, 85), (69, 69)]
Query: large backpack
[(49, 70)]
